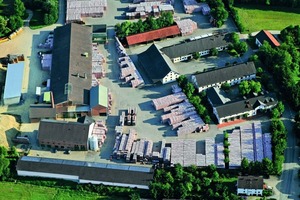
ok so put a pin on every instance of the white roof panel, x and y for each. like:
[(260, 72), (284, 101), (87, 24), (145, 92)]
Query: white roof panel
[(14, 80)]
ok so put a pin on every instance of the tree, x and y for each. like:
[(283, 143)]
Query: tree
[(244, 88), (196, 55), (214, 52), (245, 166), (225, 86), (275, 113), (182, 81), (15, 22), (255, 86), (3, 26), (241, 47), (19, 8), (134, 196), (280, 107), (267, 166)]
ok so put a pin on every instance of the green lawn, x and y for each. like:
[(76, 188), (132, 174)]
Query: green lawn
[(257, 17), (16, 191)]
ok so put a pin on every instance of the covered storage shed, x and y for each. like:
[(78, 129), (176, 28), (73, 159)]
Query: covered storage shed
[(13, 83)]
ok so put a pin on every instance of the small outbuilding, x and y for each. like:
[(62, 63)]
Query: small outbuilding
[(99, 100), (13, 83)]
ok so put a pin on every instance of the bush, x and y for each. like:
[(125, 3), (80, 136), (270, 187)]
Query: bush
[(214, 52)]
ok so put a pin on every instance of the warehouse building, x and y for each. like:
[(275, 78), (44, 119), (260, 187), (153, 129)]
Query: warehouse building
[(13, 83), (64, 134), (86, 172)]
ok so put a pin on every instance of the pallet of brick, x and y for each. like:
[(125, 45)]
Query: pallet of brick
[(128, 156), (183, 109), (118, 130), (126, 72), (162, 146), (220, 155), (267, 145), (178, 118), (123, 143), (189, 150), (247, 142), (141, 149), (258, 143), (130, 140), (186, 26), (148, 149), (167, 154), (122, 119), (168, 100), (234, 140), (133, 149), (210, 151), (116, 145), (176, 89), (177, 152), (189, 128), (200, 160)]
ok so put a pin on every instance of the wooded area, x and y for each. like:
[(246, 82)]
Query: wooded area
[(11, 15)]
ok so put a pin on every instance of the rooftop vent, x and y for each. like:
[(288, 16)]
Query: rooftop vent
[(85, 54)]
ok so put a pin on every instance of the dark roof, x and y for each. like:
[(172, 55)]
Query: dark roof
[(72, 132), (250, 182), (69, 66), (99, 28), (156, 64), (111, 173), (267, 36), (193, 46), (85, 119), (153, 35), (225, 73), (239, 106), (39, 112)]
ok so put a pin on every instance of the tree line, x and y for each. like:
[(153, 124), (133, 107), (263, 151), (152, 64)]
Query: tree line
[(129, 28), (197, 100), (11, 20), (190, 183), (49, 9), (283, 63)]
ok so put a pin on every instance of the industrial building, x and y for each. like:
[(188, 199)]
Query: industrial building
[(71, 73), (232, 75), (64, 134), (203, 45), (229, 109), (158, 66), (86, 172), (13, 83)]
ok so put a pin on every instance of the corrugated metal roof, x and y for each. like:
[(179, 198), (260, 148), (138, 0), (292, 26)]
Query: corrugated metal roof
[(153, 35), (14, 80)]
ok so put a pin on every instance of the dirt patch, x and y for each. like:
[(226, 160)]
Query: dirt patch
[(9, 127)]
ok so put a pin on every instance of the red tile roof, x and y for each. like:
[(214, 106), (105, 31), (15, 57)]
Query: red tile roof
[(271, 37), (153, 35)]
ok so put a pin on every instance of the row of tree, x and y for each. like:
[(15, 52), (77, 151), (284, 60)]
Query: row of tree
[(284, 63), (190, 183), (257, 168), (11, 21), (194, 98), (288, 3), (7, 157), (218, 12), (129, 28), (49, 9)]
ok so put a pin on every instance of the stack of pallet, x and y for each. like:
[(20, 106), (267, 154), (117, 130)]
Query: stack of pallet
[(267, 145), (200, 160), (141, 150), (148, 149), (98, 61), (130, 117), (169, 100), (100, 130), (183, 152), (220, 155), (234, 140), (186, 26), (123, 144), (247, 142), (210, 151), (258, 143)]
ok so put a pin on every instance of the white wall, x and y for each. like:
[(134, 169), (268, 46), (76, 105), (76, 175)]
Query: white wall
[(250, 192), (170, 77), (47, 175), (12, 101), (114, 184)]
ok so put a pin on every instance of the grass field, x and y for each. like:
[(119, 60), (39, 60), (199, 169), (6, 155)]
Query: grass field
[(22, 191), (257, 17)]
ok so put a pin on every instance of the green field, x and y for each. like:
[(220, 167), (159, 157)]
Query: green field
[(257, 17), (16, 191)]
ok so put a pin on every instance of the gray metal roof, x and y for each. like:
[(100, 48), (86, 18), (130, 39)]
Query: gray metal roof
[(225, 73), (250, 182), (193, 46), (71, 73), (156, 64), (14, 80)]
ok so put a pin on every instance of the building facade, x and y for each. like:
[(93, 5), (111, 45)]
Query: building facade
[(250, 186)]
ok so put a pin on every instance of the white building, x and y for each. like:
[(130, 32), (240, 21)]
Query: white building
[(250, 185), (157, 65), (231, 75), (13, 83)]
